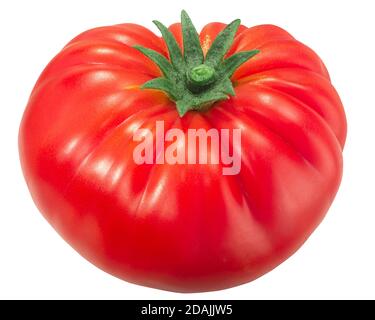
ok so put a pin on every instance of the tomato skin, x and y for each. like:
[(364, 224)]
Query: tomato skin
[(184, 228)]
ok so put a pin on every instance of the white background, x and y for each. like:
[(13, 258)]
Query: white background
[(338, 261)]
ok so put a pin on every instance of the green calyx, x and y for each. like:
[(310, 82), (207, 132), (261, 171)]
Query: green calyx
[(192, 80)]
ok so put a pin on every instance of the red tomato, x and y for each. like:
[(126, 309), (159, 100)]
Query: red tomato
[(183, 227)]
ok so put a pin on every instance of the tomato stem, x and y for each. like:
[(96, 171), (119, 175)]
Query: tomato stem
[(200, 77), (192, 80)]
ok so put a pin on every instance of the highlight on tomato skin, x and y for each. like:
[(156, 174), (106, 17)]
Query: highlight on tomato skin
[(188, 161)]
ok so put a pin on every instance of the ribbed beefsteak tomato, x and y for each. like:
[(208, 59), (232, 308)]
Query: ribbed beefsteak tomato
[(184, 227)]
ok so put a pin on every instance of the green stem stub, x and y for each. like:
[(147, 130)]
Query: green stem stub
[(201, 75), (192, 80)]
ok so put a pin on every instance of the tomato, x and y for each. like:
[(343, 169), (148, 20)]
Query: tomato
[(183, 227)]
